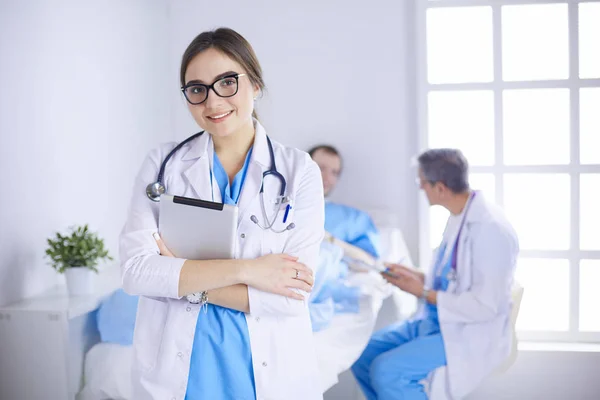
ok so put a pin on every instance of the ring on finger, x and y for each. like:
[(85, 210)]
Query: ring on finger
[(297, 274)]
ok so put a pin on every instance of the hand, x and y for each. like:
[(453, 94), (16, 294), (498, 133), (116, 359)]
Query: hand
[(161, 246), (276, 273), (406, 281), (403, 271)]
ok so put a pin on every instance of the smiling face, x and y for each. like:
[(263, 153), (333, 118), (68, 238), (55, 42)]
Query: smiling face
[(221, 116)]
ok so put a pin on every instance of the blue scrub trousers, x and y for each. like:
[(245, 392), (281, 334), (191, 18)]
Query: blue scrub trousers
[(397, 358)]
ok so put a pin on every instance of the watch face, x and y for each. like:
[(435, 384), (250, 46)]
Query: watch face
[(194, 298)]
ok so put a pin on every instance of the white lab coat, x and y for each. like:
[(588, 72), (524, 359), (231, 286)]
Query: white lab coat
[(474, 312), (283, 355)]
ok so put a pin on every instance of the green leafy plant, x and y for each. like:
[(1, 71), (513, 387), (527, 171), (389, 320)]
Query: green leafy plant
[(82, 248)]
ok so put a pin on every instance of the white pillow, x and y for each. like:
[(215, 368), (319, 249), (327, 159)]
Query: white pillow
[(393, 247)]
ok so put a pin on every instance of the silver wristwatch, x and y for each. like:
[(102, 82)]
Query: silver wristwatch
[(424, 294), (198, 298)]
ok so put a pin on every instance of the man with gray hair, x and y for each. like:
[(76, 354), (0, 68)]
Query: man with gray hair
[(464, 321), (447, 166)]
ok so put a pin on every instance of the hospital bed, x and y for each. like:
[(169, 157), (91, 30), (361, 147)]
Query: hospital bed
[(107, 367)]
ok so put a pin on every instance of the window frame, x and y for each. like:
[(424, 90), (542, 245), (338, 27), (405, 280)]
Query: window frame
[(574, 169)]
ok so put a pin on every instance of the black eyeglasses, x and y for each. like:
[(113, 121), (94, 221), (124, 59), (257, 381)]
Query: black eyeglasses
[(197, 93)]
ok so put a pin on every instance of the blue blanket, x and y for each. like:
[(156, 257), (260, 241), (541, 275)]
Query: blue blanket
[(330, 295), (116, 318)]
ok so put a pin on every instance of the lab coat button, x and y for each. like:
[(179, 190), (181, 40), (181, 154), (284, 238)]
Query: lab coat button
[(180, 354), (264, 364), (188, 309), (243, 235), (257, 319)]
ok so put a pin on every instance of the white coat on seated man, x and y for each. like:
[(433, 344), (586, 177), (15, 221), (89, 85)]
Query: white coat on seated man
[(464, 323)]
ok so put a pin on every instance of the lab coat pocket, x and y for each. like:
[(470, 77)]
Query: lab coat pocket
[(275, 239), (148, 332)]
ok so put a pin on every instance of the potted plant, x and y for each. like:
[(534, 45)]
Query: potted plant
[(77, 255)]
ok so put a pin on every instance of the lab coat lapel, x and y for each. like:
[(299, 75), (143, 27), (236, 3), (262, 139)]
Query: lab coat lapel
[(250, 190), (463, 266), (197, 174), (259, 162)]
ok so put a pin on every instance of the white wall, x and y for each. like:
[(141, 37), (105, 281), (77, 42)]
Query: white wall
[(83, 97), (336, 71)]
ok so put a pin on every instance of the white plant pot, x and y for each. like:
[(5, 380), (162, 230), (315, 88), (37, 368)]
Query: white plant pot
[(80, 281)]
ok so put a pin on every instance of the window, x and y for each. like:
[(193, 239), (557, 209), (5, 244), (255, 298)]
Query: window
[(516, 86)]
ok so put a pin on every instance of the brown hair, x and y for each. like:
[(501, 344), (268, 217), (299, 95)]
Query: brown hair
[(230, 43), (327, 149)]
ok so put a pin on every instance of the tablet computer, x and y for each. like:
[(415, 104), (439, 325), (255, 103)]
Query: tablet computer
[(197, 229)]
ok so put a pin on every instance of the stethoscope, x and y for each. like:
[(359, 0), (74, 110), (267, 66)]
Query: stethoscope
[(154, 190), (452, 276)]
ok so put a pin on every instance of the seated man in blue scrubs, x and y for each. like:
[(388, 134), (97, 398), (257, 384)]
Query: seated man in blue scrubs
[(464, 320), (345, 223)]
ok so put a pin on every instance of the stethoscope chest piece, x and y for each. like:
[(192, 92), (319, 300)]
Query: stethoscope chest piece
[(154, 190)]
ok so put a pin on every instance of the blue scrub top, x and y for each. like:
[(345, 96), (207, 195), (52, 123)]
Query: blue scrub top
[(440, 282), (352, 226), (221, 362)]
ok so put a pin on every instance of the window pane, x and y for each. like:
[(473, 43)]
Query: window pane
[(589, 295), (535, 42), (538, 206), (438, 215), (463, 120), (545, 304), (534, 118), (589, 188), (486, 183), (459, 45), (589, 32), (589, 125)]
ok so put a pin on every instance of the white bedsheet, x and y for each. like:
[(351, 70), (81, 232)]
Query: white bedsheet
[(107, 370), (107, 373), (342, 342)]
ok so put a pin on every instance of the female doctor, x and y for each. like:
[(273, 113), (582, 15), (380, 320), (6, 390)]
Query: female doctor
[(227, 329), (464, 324)]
